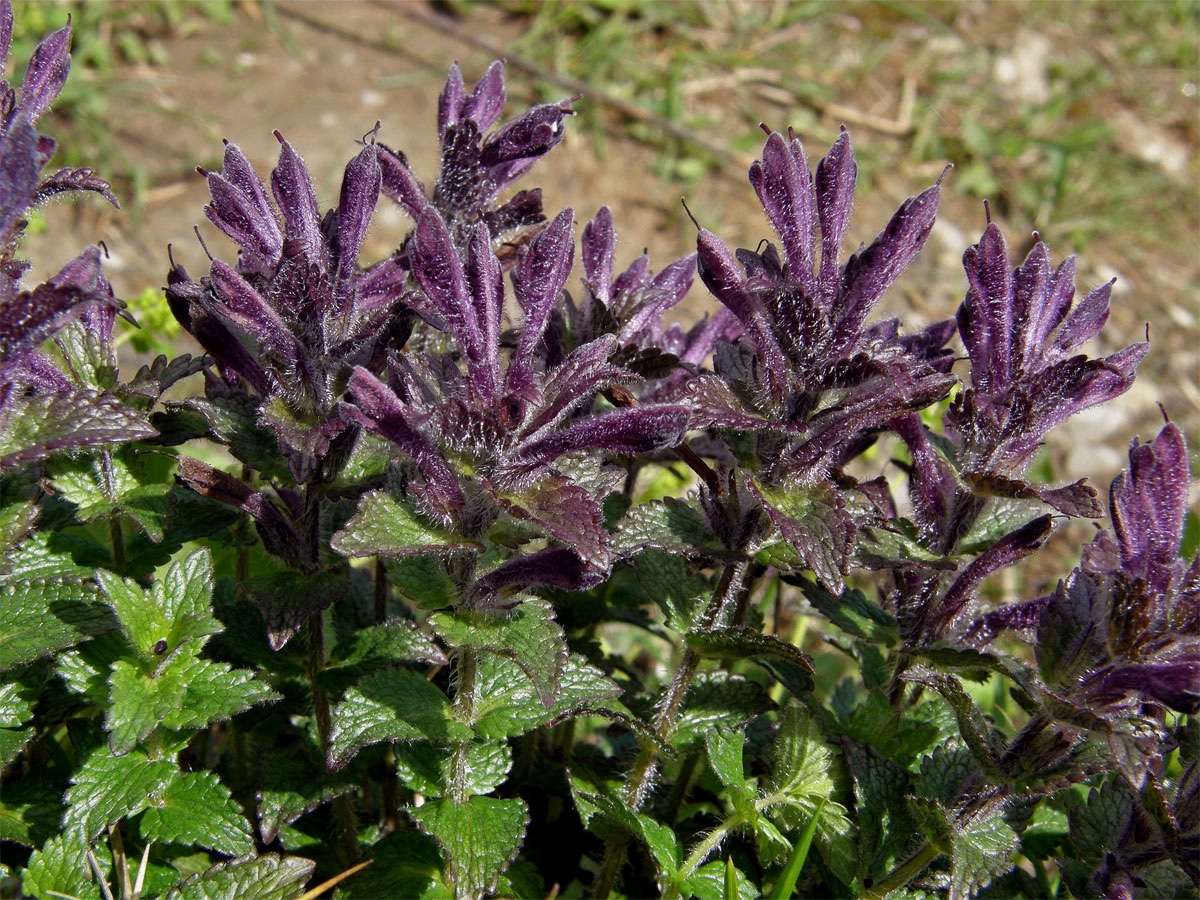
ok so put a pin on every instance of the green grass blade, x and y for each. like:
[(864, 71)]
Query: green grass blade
[(795, 864)]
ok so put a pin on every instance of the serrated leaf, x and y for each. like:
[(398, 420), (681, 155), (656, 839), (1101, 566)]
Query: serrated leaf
[(479, 838), (107, 788), (944, 773), (790, 666), (895, 546), (295, 782), (478, 767), (234, 422), (801, 787), (985, 745), (529, 636), (507, 704), (213, 691), (422, 580), (30, 812), (34, 427), (61, 868), (195, 808), (723, 746), (268, 877), (398, 640), (393, 705), (708, 883), (136, 704), (385, 526), (852, 612), (12, 742), (1098, 823), (675, 526), (407, 864), (813, 519), (40, 616), (566, 512), (659, 839), (287, 598), (716, 699), (679, 593), (105, 485), (177, 610), (983, 846), (16, 703)]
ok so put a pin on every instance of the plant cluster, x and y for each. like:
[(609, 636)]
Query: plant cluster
[(409, 591)]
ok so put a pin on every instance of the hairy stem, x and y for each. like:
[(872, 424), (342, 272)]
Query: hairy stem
[(343, 812), (903, 873), (467, 660), (381, 591), (641, 776), (114, 522)]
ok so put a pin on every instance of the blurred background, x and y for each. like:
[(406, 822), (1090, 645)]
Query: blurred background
[(1076, 120)]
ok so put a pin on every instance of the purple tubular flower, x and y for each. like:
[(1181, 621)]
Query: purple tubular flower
[(1149, 502), (377, 407), (599, 246), (360, 193), (297, 200), (240, 208), (46, 75), (1019, 331), (837, 174), (628, 431), (538, 280)]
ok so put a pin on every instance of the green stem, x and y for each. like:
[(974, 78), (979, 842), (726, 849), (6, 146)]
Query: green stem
[(467, 661), (641, 776), (681, 787), (903, 873), (114, 522), (381, 591), (343, 812), (710, 843), (1043, 880)]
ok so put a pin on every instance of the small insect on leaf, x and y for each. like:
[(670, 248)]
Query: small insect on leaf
[(161, 647)]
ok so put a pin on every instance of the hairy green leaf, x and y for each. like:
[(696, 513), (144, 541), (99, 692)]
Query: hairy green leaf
[(61, 869), (676, 526), (528, 635), (852, 612), (42, 615), (267, 877), (507, 703), (478, 767), (787, 662), (102, 485), (714, 700), (34, 427), (177, 610), (479, 837), (801, 787), (295, 782), (108, 787), (385, 526), (195, 808), (392, 705)]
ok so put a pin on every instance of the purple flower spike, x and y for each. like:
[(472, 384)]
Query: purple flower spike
[(599, 245), (836, 177), (360, 193), (297, 200), (539, 278), (1149, 502), (46, 75), (785, 188), (1019, 331), (240, 208)]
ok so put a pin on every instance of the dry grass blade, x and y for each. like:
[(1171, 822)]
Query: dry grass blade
[(313, 893)]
